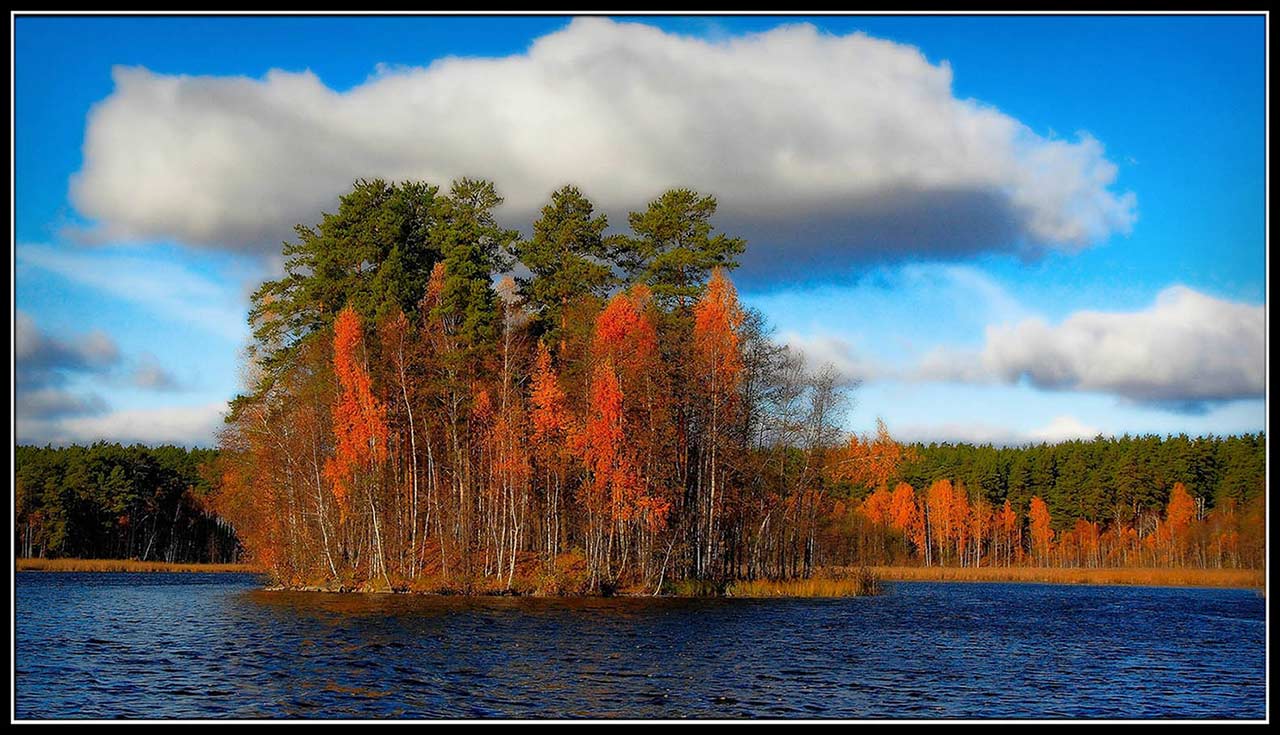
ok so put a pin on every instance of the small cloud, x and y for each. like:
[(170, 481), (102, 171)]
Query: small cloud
[(40, 359), (195, 425), (838, 353), (46, 366), (1186, 351), (149, 375), (54, 403), (1063, 428), (1060, 429)]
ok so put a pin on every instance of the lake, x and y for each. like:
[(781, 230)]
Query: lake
[(106, 645)]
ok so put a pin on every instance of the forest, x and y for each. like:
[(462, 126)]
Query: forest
[(108, 501), (433, 402), (613, 418), (1105, 501)]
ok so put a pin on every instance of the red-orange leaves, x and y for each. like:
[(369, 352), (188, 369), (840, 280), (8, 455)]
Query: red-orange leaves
[(1175, 531), (548, 413), (872, 462), (1041, 531), (1181, 510), (359, 419), (717, 317), (624, 332), (614, 486), (878, 506)]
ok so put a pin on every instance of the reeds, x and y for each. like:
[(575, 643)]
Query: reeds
[(856, 583), (123, 565), (1151, 577)]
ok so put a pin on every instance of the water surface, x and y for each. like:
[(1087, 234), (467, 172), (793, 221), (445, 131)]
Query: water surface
[(108, 645)]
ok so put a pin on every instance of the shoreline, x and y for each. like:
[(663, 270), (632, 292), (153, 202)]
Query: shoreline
[(1117, 577)]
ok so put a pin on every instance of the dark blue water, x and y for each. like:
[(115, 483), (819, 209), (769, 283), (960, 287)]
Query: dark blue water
[(214, 645)]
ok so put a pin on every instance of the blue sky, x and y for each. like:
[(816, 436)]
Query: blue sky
[(1104, 272)]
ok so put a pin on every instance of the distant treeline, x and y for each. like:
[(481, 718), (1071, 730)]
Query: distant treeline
[(1129, 501), (1102, 479), (110, 501)]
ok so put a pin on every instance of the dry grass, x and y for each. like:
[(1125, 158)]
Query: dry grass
[(859, 583), (1242, 578), (122, 565)]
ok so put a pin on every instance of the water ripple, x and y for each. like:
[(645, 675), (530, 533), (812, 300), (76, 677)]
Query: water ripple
[(217, 646)]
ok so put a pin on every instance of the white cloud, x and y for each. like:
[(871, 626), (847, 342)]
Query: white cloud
[(821, 350), (1063, 428), (958, 432), (1183, 351), (825, 147), (186, 425), (1060, 429), (50, 403)]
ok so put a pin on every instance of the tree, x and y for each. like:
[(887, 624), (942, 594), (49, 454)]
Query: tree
[(610, 491), (376, 252), (672, 249), (718, 363), (1009, 533), (872, 462), (359, 425), (473, 248), (1041, 529), (567, 257), (551, 425), (1179, 515)]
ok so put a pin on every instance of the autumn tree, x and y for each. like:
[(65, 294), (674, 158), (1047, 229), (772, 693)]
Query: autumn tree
[(608, 494), (550, 430), (1041, 529), (1179, 514), (872, 462), (718, 362), (359, 427)]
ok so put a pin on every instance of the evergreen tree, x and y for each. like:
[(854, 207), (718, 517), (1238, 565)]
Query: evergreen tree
[(673, 249), (474, 248), (374, 253), (567, 258)]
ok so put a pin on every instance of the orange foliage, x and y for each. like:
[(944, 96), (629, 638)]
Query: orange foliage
[(878, 506), (614, 485), (548, 414), (717, 317), (359, 419), (872, 462), (624, 333), (1041, 531)]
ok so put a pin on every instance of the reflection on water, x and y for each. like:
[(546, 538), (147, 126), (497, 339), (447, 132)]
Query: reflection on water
[(196, 645)]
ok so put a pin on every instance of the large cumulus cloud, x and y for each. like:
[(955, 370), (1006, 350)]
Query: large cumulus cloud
[(821, 148)]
